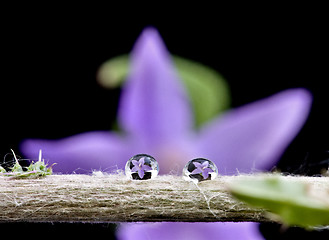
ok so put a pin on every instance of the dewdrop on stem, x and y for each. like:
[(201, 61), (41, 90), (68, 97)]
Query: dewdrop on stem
[(142, 167), (200, 169)]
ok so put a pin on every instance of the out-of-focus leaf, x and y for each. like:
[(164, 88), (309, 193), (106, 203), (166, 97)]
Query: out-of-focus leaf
[(207, 89), (113, 72), (293, 203)]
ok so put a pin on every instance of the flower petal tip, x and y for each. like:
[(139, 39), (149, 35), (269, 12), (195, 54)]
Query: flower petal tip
[(154, 103), (298, 100), (254, 136), (30, 147), (149, 44), (150, 33), (300, 96)]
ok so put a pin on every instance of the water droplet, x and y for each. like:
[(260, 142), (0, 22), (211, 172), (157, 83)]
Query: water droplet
[(142, 167), (200, 169)]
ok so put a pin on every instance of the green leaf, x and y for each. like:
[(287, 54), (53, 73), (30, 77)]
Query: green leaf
[(207, 89), (2, 170), (293, 203), (113, 72), (38, 169)]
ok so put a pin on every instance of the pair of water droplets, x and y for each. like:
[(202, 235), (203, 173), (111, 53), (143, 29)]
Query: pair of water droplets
[(143, 167)]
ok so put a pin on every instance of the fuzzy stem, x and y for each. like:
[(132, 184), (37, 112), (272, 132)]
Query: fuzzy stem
[(113, 198)]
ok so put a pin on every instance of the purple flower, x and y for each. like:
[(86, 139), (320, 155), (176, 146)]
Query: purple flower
[(156, 118), (140, 167), (189, 231), (202, 168)]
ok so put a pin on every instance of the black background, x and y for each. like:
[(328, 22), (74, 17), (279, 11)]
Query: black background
[(49, 61), (49, 65)]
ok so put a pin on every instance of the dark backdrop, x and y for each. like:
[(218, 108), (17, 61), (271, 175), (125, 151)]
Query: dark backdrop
[(49, 64)]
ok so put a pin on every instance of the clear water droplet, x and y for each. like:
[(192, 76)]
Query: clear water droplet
[(142, 167), (200, 169)]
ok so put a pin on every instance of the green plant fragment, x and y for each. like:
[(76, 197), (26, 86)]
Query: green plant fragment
[(35, 170), (291, 202)]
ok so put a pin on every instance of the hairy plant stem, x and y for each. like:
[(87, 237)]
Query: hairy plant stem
[(114, 198)]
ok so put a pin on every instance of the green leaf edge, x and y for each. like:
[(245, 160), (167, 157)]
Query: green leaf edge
[(295, 209)]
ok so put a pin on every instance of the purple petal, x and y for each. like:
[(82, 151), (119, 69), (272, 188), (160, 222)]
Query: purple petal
[(205, 164), (141, 161), (154, 105), (146, 168), (197, 164), (140, 173), (189, 231), (196, 171), (255, 136), (84, 152), (135, 169), (205, 175), (136, 163), (206, 172)]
